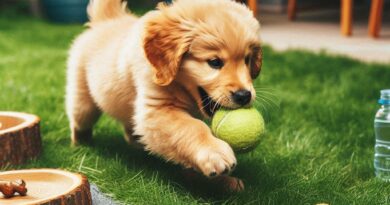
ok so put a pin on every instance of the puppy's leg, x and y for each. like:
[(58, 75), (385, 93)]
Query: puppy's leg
[(128, 134), (178, 137), (81, 109), (130, 138), (223, 184)]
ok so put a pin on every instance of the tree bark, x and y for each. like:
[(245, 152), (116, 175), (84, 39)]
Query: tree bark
[(81, 195), (20, 140)]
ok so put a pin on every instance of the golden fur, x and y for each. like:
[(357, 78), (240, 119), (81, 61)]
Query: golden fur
[(146, 73)]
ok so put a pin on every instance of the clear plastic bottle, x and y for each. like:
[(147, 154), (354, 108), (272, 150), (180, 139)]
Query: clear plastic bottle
[(382, 135)]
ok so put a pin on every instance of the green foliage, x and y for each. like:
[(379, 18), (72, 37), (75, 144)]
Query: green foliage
[(318, 147)]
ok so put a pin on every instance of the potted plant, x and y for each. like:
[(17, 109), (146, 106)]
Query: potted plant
[(65, 11)]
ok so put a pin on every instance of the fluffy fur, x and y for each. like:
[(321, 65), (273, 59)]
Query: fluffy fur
[(148, 73)]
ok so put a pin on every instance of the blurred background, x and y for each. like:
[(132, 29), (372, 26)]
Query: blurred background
[(356, 28), (319, 148)]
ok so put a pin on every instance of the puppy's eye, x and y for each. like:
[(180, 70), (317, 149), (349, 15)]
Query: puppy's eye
[(215, 63), (247, 59)]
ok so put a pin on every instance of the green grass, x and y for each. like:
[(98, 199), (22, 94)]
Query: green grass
[(319, 145)]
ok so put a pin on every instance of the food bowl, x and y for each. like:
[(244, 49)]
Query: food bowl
[(20, 138), (49, 186)]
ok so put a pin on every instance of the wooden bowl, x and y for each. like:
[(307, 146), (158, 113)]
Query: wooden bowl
[(49, 187), (20, 138)]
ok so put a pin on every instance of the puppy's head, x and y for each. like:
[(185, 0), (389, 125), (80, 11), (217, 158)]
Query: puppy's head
[(211, 47)]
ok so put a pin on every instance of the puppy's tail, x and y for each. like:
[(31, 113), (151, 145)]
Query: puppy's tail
[(102, 10)]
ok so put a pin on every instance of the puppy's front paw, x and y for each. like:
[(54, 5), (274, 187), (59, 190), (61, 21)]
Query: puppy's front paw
[(215, 159)]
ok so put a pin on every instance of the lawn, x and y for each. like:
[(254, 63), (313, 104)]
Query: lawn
[(318, 147)]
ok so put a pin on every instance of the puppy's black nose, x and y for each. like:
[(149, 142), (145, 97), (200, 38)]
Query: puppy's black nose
[(242, 97)]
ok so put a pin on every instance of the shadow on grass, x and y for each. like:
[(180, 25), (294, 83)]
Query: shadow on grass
[(199, 187)]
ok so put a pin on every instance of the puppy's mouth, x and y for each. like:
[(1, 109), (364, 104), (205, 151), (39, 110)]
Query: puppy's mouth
[(209, 106)]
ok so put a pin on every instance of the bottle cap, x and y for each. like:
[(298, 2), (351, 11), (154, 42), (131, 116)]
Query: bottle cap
[(385, 92), (385, 97)]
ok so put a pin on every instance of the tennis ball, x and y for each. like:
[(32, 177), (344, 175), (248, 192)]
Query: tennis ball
[(240, 128)]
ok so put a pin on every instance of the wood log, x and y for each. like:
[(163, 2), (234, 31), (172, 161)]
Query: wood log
[(49, 187), (20, 138)]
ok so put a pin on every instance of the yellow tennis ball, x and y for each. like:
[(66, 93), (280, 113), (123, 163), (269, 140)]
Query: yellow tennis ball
[(240, 128)]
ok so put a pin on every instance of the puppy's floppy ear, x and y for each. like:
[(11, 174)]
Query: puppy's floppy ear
[(256, 62), (165, 42)]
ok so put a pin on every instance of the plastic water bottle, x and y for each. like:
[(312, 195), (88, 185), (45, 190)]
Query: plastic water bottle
[(382, 135)]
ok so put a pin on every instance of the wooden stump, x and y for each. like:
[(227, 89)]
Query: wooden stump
[(49, 187), (20, 138)]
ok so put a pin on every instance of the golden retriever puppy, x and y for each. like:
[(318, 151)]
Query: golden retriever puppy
[(159, 74)]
